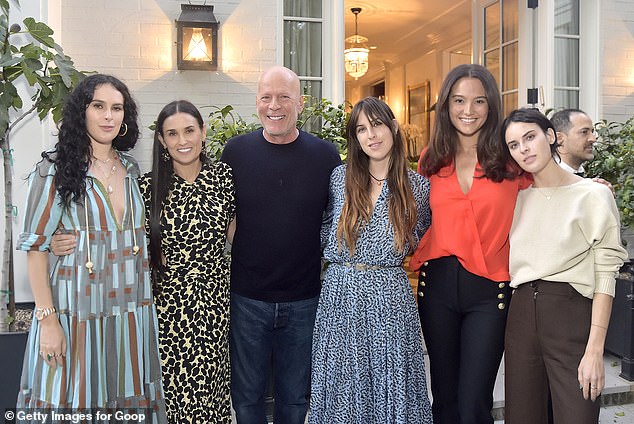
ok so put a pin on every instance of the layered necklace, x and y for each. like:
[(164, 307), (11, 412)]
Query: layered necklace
[(104, 170)]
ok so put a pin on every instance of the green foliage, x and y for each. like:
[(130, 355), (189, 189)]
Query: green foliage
[(28, 56), (320, 117), (326, 121), (614, 161), (40, 62), (224, 124)]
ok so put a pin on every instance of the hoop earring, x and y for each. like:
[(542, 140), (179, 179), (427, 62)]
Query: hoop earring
[(124, 131)]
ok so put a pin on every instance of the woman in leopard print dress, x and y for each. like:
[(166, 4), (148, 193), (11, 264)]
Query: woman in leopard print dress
[(189, 205)]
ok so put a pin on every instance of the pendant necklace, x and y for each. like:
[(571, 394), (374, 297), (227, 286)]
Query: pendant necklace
[(106, 174), (548, 196), (379, 181)]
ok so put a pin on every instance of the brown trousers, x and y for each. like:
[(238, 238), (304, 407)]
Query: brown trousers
[(546, 335)]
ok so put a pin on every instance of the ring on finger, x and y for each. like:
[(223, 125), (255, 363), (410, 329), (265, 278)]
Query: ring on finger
[(48, 357)]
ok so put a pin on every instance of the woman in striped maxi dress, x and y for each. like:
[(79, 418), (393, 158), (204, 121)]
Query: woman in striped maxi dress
[(94, 343)]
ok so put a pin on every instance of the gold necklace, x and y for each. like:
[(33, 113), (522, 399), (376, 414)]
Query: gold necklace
[(105, 173), (548, 196)]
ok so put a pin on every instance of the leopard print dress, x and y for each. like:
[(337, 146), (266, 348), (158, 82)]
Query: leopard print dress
[(193, 298)]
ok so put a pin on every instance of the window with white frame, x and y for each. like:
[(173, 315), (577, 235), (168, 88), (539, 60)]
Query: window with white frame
[(303, 25), (566, 33), (500, 48)]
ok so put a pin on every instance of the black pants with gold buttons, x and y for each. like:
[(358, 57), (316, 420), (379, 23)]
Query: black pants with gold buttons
[(463, 317)]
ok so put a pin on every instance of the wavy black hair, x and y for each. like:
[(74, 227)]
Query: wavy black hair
[(73, 149), (162, 175)]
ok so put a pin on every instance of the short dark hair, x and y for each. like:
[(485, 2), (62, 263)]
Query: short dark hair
[(530, 116), (561, 119)]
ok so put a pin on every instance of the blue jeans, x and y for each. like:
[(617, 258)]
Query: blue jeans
[(263, 333)]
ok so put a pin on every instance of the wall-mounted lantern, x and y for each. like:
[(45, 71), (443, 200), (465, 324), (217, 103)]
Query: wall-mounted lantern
[(197, 38)]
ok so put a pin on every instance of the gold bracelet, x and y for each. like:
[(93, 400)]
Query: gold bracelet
[(41, 313)]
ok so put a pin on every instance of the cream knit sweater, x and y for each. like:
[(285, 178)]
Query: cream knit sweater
[(573, 237)]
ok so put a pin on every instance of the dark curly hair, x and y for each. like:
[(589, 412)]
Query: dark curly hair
[(163, 174), (443, 143), (73, 149)]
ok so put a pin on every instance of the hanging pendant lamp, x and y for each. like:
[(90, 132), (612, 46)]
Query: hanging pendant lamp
[(356, 57)]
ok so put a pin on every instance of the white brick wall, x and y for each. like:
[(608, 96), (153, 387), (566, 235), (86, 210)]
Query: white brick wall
[(617, 59), (135, 41)]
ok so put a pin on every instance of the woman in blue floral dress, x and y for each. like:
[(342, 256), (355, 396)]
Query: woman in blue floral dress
[(368, 364)]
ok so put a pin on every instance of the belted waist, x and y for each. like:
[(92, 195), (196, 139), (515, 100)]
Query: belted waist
[(358, 266)]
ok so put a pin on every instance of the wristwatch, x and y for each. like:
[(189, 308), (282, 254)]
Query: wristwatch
[(41, 313)]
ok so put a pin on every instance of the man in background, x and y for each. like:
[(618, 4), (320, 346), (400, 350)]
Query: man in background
[(576, 136)]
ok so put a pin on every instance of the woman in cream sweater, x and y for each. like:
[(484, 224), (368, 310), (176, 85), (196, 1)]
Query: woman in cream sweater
[(565, 254)]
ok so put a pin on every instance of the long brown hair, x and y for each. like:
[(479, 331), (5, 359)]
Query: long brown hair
[(357, 207), (493, 160)]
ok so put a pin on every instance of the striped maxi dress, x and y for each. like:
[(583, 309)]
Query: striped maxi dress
[(108, 317)]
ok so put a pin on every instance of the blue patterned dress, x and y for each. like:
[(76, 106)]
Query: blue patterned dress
[(108, 317), (368, 365)]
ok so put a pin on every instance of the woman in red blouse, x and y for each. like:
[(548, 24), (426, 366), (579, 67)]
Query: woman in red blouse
[(463, 287)]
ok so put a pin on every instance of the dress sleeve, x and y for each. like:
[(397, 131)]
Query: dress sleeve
[(420, 188), (327, 218), (230, 189), (43, 211), (146, 194)]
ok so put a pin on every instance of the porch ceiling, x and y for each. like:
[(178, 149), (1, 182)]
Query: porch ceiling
[(402, 30)]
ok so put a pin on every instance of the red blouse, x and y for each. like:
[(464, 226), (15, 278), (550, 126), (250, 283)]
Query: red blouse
[(474, 227)]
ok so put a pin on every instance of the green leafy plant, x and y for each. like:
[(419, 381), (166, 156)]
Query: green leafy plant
[(224, 123), (326, 121), (27, 56), (614, 161)]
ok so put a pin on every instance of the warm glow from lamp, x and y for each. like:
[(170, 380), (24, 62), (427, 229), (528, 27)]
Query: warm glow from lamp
[(356, 57), (356, 61), (197, 49), (197, 38)]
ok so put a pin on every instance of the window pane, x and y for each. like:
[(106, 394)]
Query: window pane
[(510, 20), (302, 48), (566, 62), (565, 99), (509, 102), (492, 63), (312, 89), (302, 8), (509, 69), (567, 17), (492, 26)]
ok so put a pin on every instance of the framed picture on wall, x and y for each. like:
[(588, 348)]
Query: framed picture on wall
[(417, 126)]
